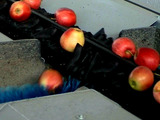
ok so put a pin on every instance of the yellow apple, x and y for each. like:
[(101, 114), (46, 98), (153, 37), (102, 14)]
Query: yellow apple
[(70, 38)]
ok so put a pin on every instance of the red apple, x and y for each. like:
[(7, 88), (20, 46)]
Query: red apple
[(65, 17), (70, 38), (124, 47), (156, 92), (148, 57), (20, 11), (34, 4), (51, 79), (141, 78)]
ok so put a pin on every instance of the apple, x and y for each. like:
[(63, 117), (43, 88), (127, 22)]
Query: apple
[(70, 38), (34, 4), (124, 47), (148, 57), (51, 79), (156, 92), (20, 11), (141, 78), (65, 17)]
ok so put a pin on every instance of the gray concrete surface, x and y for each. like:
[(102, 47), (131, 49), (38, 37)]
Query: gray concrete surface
[(20, 61), (4, 38), (79, 105), (151, 4)]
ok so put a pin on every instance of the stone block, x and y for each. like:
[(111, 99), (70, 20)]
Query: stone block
[(144, 37), (20, 62)]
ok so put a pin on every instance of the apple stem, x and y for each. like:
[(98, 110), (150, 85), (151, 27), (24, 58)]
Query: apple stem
[(53, 18), (128, 51), (157, 74), (18, 10)]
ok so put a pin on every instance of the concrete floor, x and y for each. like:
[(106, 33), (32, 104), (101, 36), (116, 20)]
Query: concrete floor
[(151, 4), (85, 104)]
